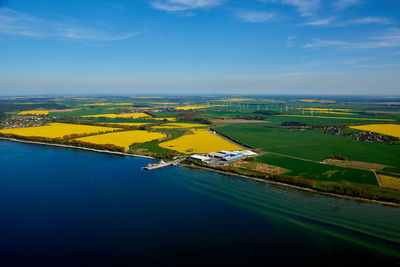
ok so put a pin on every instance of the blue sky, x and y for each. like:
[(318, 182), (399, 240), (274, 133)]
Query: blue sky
[(199, 46)]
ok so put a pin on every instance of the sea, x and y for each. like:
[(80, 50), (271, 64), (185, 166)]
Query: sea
[(71, 207)]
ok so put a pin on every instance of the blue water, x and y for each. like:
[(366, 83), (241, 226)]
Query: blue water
[(61, 206)]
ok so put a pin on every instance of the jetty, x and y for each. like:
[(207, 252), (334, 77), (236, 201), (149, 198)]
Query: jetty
[(162, 163)]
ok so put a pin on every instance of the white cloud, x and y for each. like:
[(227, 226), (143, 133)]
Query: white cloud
[(367, 20), (334, 22), (319, 22), (304, 7), (290, 41), (17, 23), (343, 4), (254, 16), (184, 5), (387, 40)]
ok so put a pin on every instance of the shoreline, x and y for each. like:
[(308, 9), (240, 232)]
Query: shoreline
[(76, 147), (212, 170), (293, 186)]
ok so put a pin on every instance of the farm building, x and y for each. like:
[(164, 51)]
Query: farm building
[(231, 158), (218, 155), (202, 158), (249, 153), (232, 153)]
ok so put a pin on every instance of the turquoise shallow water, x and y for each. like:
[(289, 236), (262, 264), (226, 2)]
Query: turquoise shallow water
[(71, 207)]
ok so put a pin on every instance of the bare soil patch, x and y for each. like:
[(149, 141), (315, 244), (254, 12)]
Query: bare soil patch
[(259, 167), (355, 164)]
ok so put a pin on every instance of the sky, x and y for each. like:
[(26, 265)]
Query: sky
[(343, 47)]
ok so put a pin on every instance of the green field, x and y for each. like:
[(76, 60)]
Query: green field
[(317, 171), (313, 144)]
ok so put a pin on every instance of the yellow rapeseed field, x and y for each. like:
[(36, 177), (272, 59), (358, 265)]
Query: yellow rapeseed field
[(388, 129), (56, 130), (127, 123), (389, 181), (161, 119), (328, 109), (318, 101), (181, 125), (34, 112), (201, 141), (124, 115), (339, 118), (124, 139), (165, 103)]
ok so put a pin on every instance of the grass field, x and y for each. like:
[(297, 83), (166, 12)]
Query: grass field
[(200, 141), (123, 139), (57, 130), (318, 171), (312, 144), (387, 129), (33, 112)]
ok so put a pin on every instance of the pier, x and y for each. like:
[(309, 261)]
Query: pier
[(161, 164)]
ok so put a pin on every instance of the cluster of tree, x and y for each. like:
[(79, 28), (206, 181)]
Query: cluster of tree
[(66, 119), (337, 157), (188, 115), (252, 117), (108, 147), (192, 116), (364, 136), (266, 112)]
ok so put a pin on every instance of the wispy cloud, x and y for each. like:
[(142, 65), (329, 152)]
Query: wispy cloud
[(343, 4), (319, 22), (21, 24), (184, 5), (386, 40), (335, 22), (290, 41), (254, 16), (304, 7)]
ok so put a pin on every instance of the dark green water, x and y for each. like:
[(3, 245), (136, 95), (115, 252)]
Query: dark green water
[(71, 207)]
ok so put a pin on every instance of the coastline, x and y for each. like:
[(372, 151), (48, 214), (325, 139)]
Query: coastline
[(294, 186), (76, 147), (213, 170)]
